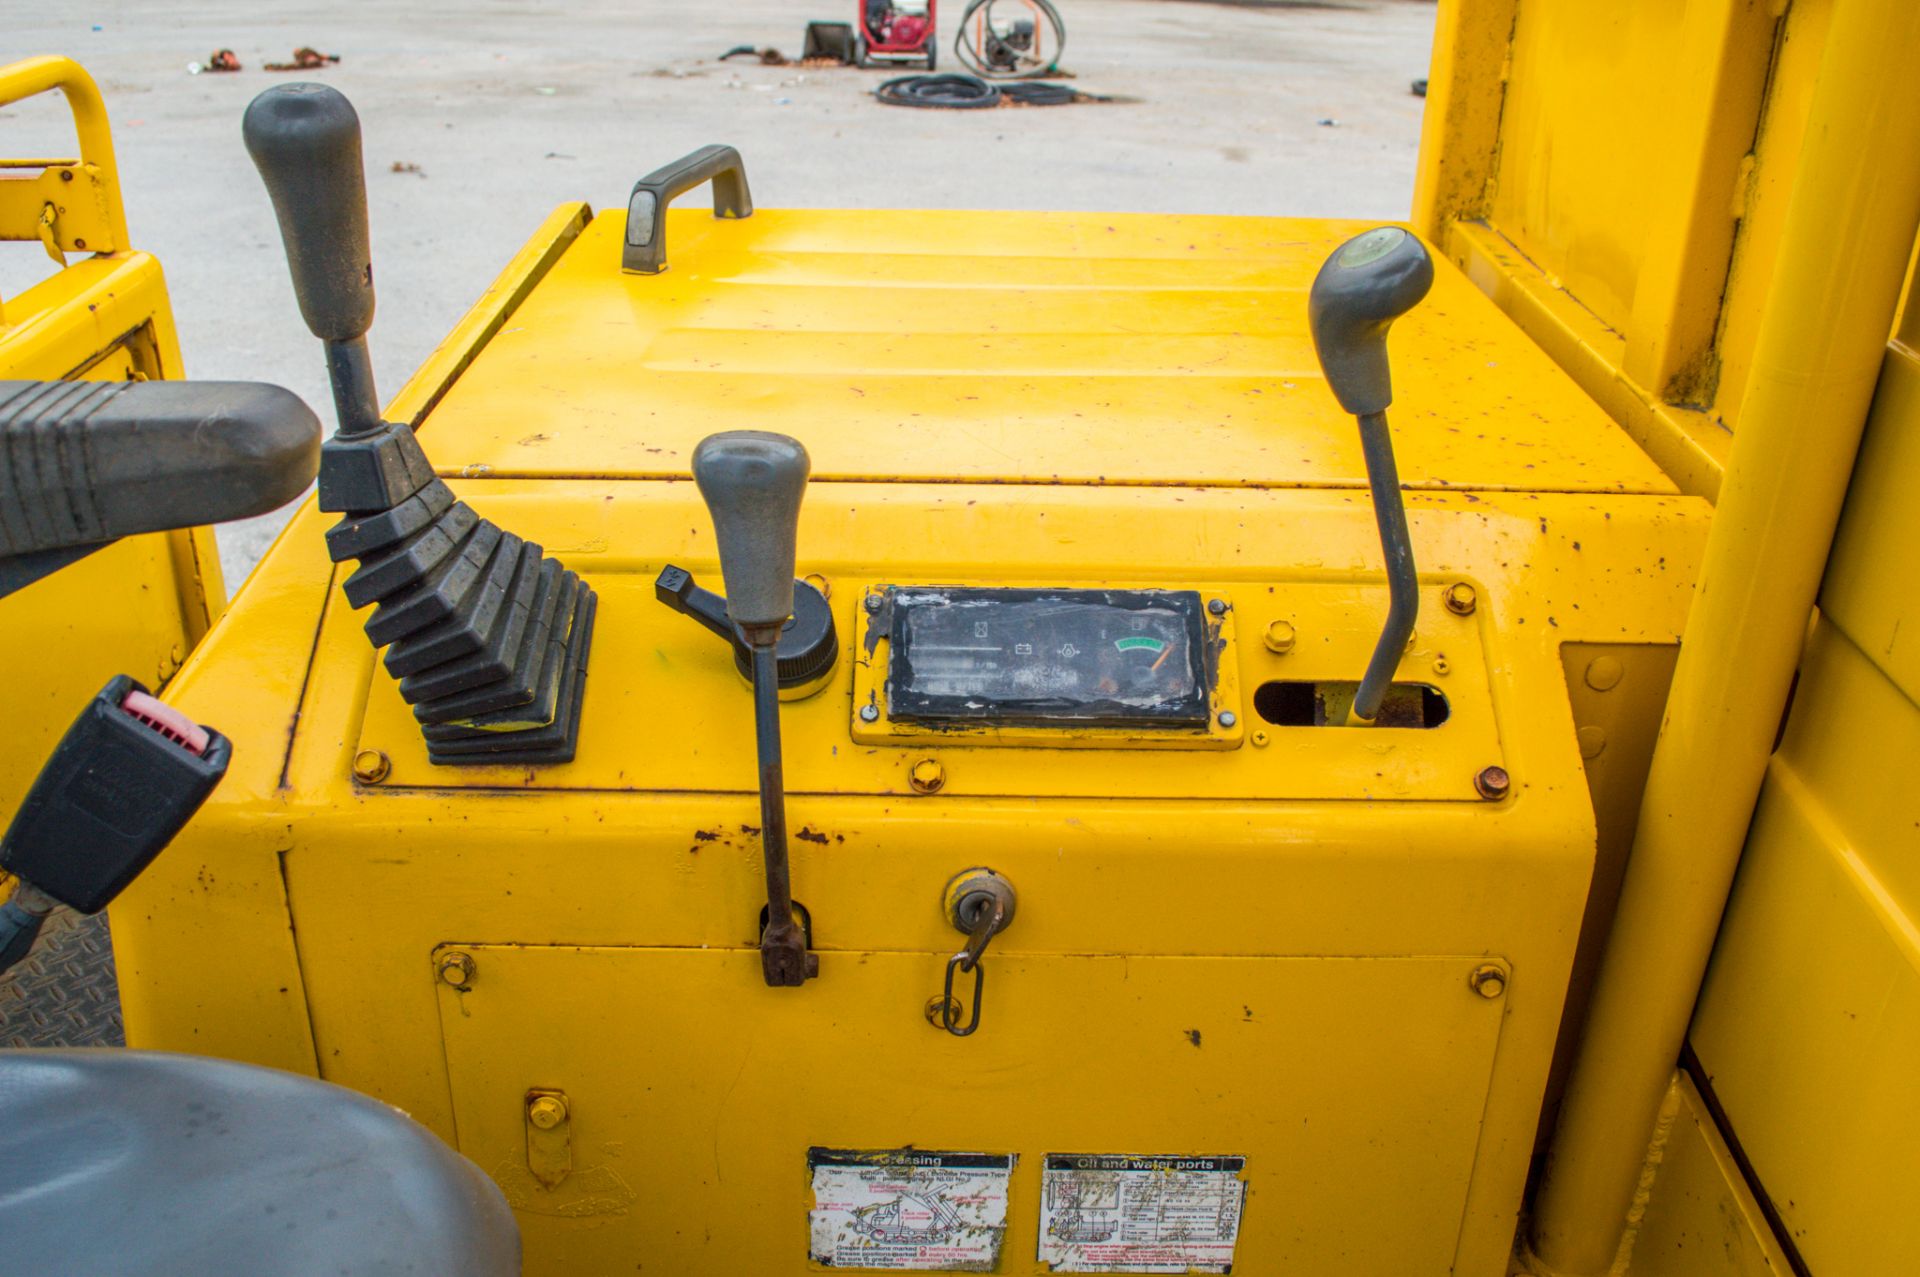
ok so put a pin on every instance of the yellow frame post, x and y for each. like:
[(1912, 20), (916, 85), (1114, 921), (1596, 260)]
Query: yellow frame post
[(1850, 231)]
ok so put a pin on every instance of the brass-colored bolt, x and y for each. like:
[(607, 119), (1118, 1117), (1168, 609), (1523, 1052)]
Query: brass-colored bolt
[(1592, 741), (1281, 637), (371, 766), (1604, 673), (1460, 598), (546, 1111), (1488, 980), (456, 969), (928, 776), (1492, 783)]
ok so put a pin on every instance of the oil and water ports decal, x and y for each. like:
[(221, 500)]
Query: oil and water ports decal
[(909, 1210), (1117, 1214)]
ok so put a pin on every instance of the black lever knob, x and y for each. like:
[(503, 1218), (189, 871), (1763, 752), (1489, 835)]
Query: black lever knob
[(305, 140), (1370, 281), (753, 483)]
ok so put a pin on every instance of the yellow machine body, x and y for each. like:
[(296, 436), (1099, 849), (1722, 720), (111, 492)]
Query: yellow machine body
[(1321, 949), (138, 606)]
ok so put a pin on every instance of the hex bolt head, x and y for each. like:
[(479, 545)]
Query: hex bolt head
[(456, 969), (873, 603), (1281, 637), (371, 766), (869, 713), (1492, 783), (546, 1111), (1460, 598), (928, 776), (1488, 980), (1216, 607)]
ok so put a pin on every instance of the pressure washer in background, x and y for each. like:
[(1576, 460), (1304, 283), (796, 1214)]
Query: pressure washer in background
[(896, 31)]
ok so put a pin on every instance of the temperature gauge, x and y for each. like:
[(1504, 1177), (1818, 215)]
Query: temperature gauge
[(1105, 657)]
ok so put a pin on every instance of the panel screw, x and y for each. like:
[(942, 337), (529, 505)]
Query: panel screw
[(1228, 718), (927, 776), (869, 713), (546, 1111), (1441, 666), (1493, 783), (873, 602), (1281, 637), (1260, 740), (1217, 607), (456, 969), (1488, 980), (371, 766), (1603, 673), (1460, 599)]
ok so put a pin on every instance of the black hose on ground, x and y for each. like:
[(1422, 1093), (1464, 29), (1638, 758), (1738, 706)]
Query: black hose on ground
[(953, 92), (970, 93)]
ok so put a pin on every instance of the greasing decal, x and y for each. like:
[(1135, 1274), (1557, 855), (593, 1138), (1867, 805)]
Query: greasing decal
[(1102, 1213), (908, 1209)]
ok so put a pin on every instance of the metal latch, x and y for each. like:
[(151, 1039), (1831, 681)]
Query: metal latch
[(980, 904)]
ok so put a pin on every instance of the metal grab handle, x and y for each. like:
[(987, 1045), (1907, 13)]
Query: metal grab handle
[(645, 250)]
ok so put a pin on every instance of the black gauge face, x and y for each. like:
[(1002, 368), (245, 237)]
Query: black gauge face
[(1102, 657)]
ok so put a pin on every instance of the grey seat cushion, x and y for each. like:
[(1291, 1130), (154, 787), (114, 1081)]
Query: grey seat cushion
[(148, 1164)]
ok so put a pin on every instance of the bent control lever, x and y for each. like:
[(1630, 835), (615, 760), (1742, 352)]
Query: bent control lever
[(753, 483), (1370, 281)]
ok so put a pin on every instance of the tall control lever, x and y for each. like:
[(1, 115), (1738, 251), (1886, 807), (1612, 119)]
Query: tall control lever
[(753, 483), (488, 637), (1368, 282)]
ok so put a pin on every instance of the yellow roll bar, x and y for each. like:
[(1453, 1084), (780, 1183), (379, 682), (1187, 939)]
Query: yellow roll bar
[(71, 205)]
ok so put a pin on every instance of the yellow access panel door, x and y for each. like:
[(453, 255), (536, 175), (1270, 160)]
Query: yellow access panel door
[(631, 1132)]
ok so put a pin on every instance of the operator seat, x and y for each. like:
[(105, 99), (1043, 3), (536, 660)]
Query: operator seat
[(149, 1164)]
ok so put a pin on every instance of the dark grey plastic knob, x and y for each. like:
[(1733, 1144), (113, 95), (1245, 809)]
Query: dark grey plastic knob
[(305, 140), (753, 483), (1368, 282)]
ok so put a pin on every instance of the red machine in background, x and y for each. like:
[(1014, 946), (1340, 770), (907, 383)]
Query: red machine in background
[(895, 31)]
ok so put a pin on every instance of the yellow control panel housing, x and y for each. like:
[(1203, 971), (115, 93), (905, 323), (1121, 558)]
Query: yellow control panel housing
[(1337, 954)]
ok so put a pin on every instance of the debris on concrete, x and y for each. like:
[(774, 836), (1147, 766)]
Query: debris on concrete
[(222, 60), (407, 166), (768, 57), (304, 59)]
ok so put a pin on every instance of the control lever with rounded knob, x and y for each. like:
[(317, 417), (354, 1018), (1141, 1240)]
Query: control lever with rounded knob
[(753, 483), (488, 637), (1368, 282)]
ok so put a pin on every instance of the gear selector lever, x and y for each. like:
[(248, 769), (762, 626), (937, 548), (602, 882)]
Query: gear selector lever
[(1370, 281), (753, 483)]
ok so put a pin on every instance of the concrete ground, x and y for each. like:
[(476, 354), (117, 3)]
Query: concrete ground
[(479, 118)]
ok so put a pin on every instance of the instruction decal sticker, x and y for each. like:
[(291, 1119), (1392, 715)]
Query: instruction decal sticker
[(1118, 1214), (907, 1209)]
